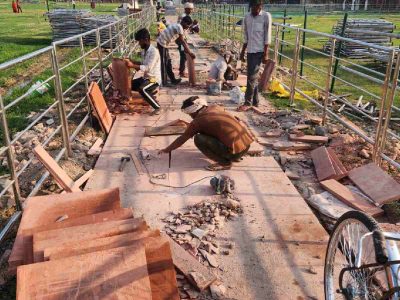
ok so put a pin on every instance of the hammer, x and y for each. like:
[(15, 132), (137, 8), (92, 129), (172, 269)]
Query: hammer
[(123, 162)]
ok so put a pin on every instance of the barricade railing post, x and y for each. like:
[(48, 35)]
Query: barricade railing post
[(296, 54), (10, 155), (328, 80), (388, 107), (100, 57), (276, 46), (382, 111), (61, 104), (86, 78)]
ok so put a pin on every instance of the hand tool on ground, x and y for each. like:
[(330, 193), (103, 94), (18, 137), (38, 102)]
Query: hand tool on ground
[(123, 162)]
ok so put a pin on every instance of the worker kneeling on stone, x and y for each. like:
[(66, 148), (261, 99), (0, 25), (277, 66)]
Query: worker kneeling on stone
[(218, 71), (150, 65), (217, 134)]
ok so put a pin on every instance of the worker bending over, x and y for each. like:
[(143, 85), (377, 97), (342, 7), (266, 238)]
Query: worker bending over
[(219, 135), (172, 33), (150, 65), (257, 37), (219, 70)]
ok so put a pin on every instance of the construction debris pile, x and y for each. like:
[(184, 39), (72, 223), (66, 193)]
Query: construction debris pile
[(81, 241), (365, 30), (342, 190), (69, 22)]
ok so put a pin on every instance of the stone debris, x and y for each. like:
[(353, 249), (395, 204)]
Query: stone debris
[(217, 291)]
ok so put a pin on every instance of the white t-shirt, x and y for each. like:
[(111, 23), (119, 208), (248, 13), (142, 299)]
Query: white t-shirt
[(151, 64), (218, 69)]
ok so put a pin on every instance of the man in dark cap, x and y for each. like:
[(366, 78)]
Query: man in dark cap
[(257, 37), (219, 135)]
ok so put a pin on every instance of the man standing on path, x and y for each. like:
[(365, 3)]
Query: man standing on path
[(172, 33), (257, 37), (218, 134), (189, 7)]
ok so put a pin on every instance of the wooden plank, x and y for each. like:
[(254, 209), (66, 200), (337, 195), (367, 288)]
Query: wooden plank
[(191, 69), (46, 210), (354, 200), (266, 75), (119, 273), (164, 130), (59, 175), (376, 183), (100, 106), (96, 147), (309, 138), (58, 237), (100, 244), (323, 164), (190, 267)]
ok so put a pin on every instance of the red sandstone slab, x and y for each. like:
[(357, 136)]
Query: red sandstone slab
[(111, 215), (337, 164), (161, 269), (119, 273), (58, 237), (194, 271), (191, 69), (121, 77), (266, 75), (309, 138), (44, 210), (376, 183), (59, 175), (323, 164), (100, 106), (354, 200), (121, 240), (285, 145)]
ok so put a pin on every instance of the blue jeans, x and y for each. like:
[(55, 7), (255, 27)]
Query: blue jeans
[(254, 61)]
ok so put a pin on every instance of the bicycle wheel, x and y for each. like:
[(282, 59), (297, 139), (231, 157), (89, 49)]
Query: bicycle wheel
[(366, 282)]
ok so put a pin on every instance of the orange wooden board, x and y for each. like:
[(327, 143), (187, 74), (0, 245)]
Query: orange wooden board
[(100, 106), (45, 210), (59, 175), (119, 273), (58, 237), (354, 200), (116, 241), (376, 183)]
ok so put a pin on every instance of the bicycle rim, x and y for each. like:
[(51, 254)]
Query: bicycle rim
[(343, 248)]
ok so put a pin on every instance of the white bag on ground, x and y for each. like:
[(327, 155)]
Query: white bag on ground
[(237, 96), (38, 88)]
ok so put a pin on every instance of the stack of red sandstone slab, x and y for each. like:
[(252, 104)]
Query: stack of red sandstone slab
[(84, 245)]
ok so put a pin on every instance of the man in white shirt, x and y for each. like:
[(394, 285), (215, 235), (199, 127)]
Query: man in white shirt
[(257, 37), (189, 7), (151, 67), (172, 33)]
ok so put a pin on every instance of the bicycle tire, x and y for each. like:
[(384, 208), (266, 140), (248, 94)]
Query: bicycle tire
[(351, 217)]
